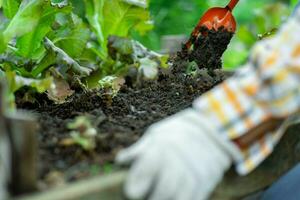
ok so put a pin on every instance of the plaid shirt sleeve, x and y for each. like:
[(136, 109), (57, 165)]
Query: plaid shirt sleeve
[(267, 87)]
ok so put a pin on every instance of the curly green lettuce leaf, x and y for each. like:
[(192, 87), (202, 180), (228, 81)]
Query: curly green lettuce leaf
[(30, 43), (95, 16), (116, 17), (111, 84), (24, 21), (56, 55), (72, 36), (131, 51), (10, 7), (15, 82), (126, 54), (120, 17)]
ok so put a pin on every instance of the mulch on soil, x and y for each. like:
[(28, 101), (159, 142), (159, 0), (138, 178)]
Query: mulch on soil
[(119, 123)]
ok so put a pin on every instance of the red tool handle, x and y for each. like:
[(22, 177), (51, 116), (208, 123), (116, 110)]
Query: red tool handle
[(232, 4)]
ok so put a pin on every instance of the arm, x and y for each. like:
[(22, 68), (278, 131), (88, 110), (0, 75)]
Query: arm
[(264, 91)]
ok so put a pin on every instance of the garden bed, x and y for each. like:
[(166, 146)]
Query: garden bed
[(119, 122), (232, 187)]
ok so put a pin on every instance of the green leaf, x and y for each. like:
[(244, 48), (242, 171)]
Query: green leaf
[(10, 7), (111, 84), (83, 133), (15, 82), (116, 17), (64, 58), (72, 37), (47, 61), (23, 22), (95, 16), (30, 43), (121, 17), (56, 55), (294, 3), (131, 52)]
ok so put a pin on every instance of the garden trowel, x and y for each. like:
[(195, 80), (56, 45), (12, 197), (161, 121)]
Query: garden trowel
[(214, 19)]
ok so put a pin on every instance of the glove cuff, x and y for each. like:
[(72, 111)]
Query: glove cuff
[(207, 127)]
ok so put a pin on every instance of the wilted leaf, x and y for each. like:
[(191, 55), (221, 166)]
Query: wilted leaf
[(148, 68), (60, 89)]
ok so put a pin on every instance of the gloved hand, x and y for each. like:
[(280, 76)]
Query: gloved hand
[(180, 157)]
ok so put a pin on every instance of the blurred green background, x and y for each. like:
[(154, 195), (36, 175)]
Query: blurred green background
[(256, 19)]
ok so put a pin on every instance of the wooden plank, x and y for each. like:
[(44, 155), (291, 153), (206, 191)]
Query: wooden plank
[(4, 148), (108, 187), (22, 129)]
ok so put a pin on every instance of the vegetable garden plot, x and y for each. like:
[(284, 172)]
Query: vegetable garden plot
[(119, 122), (93, 89), (99, 89)]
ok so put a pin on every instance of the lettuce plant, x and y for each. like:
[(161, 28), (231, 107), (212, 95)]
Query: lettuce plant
[(38, 37)]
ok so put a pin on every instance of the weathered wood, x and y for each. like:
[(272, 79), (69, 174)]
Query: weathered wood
[(4, 149), (23, 130), (108, 187)]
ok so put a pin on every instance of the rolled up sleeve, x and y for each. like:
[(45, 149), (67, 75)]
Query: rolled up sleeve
[(267, 87)]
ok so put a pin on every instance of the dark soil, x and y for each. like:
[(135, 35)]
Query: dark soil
[(119, 123), (209, 47), (122, 120)]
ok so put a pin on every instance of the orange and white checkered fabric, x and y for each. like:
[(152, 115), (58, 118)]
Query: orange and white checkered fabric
[(268, 86)]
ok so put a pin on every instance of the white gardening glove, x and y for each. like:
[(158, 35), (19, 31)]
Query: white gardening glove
[(180, 158), (4, 165)]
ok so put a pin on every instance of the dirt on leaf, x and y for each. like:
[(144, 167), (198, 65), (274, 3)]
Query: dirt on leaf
[(119, 122)]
